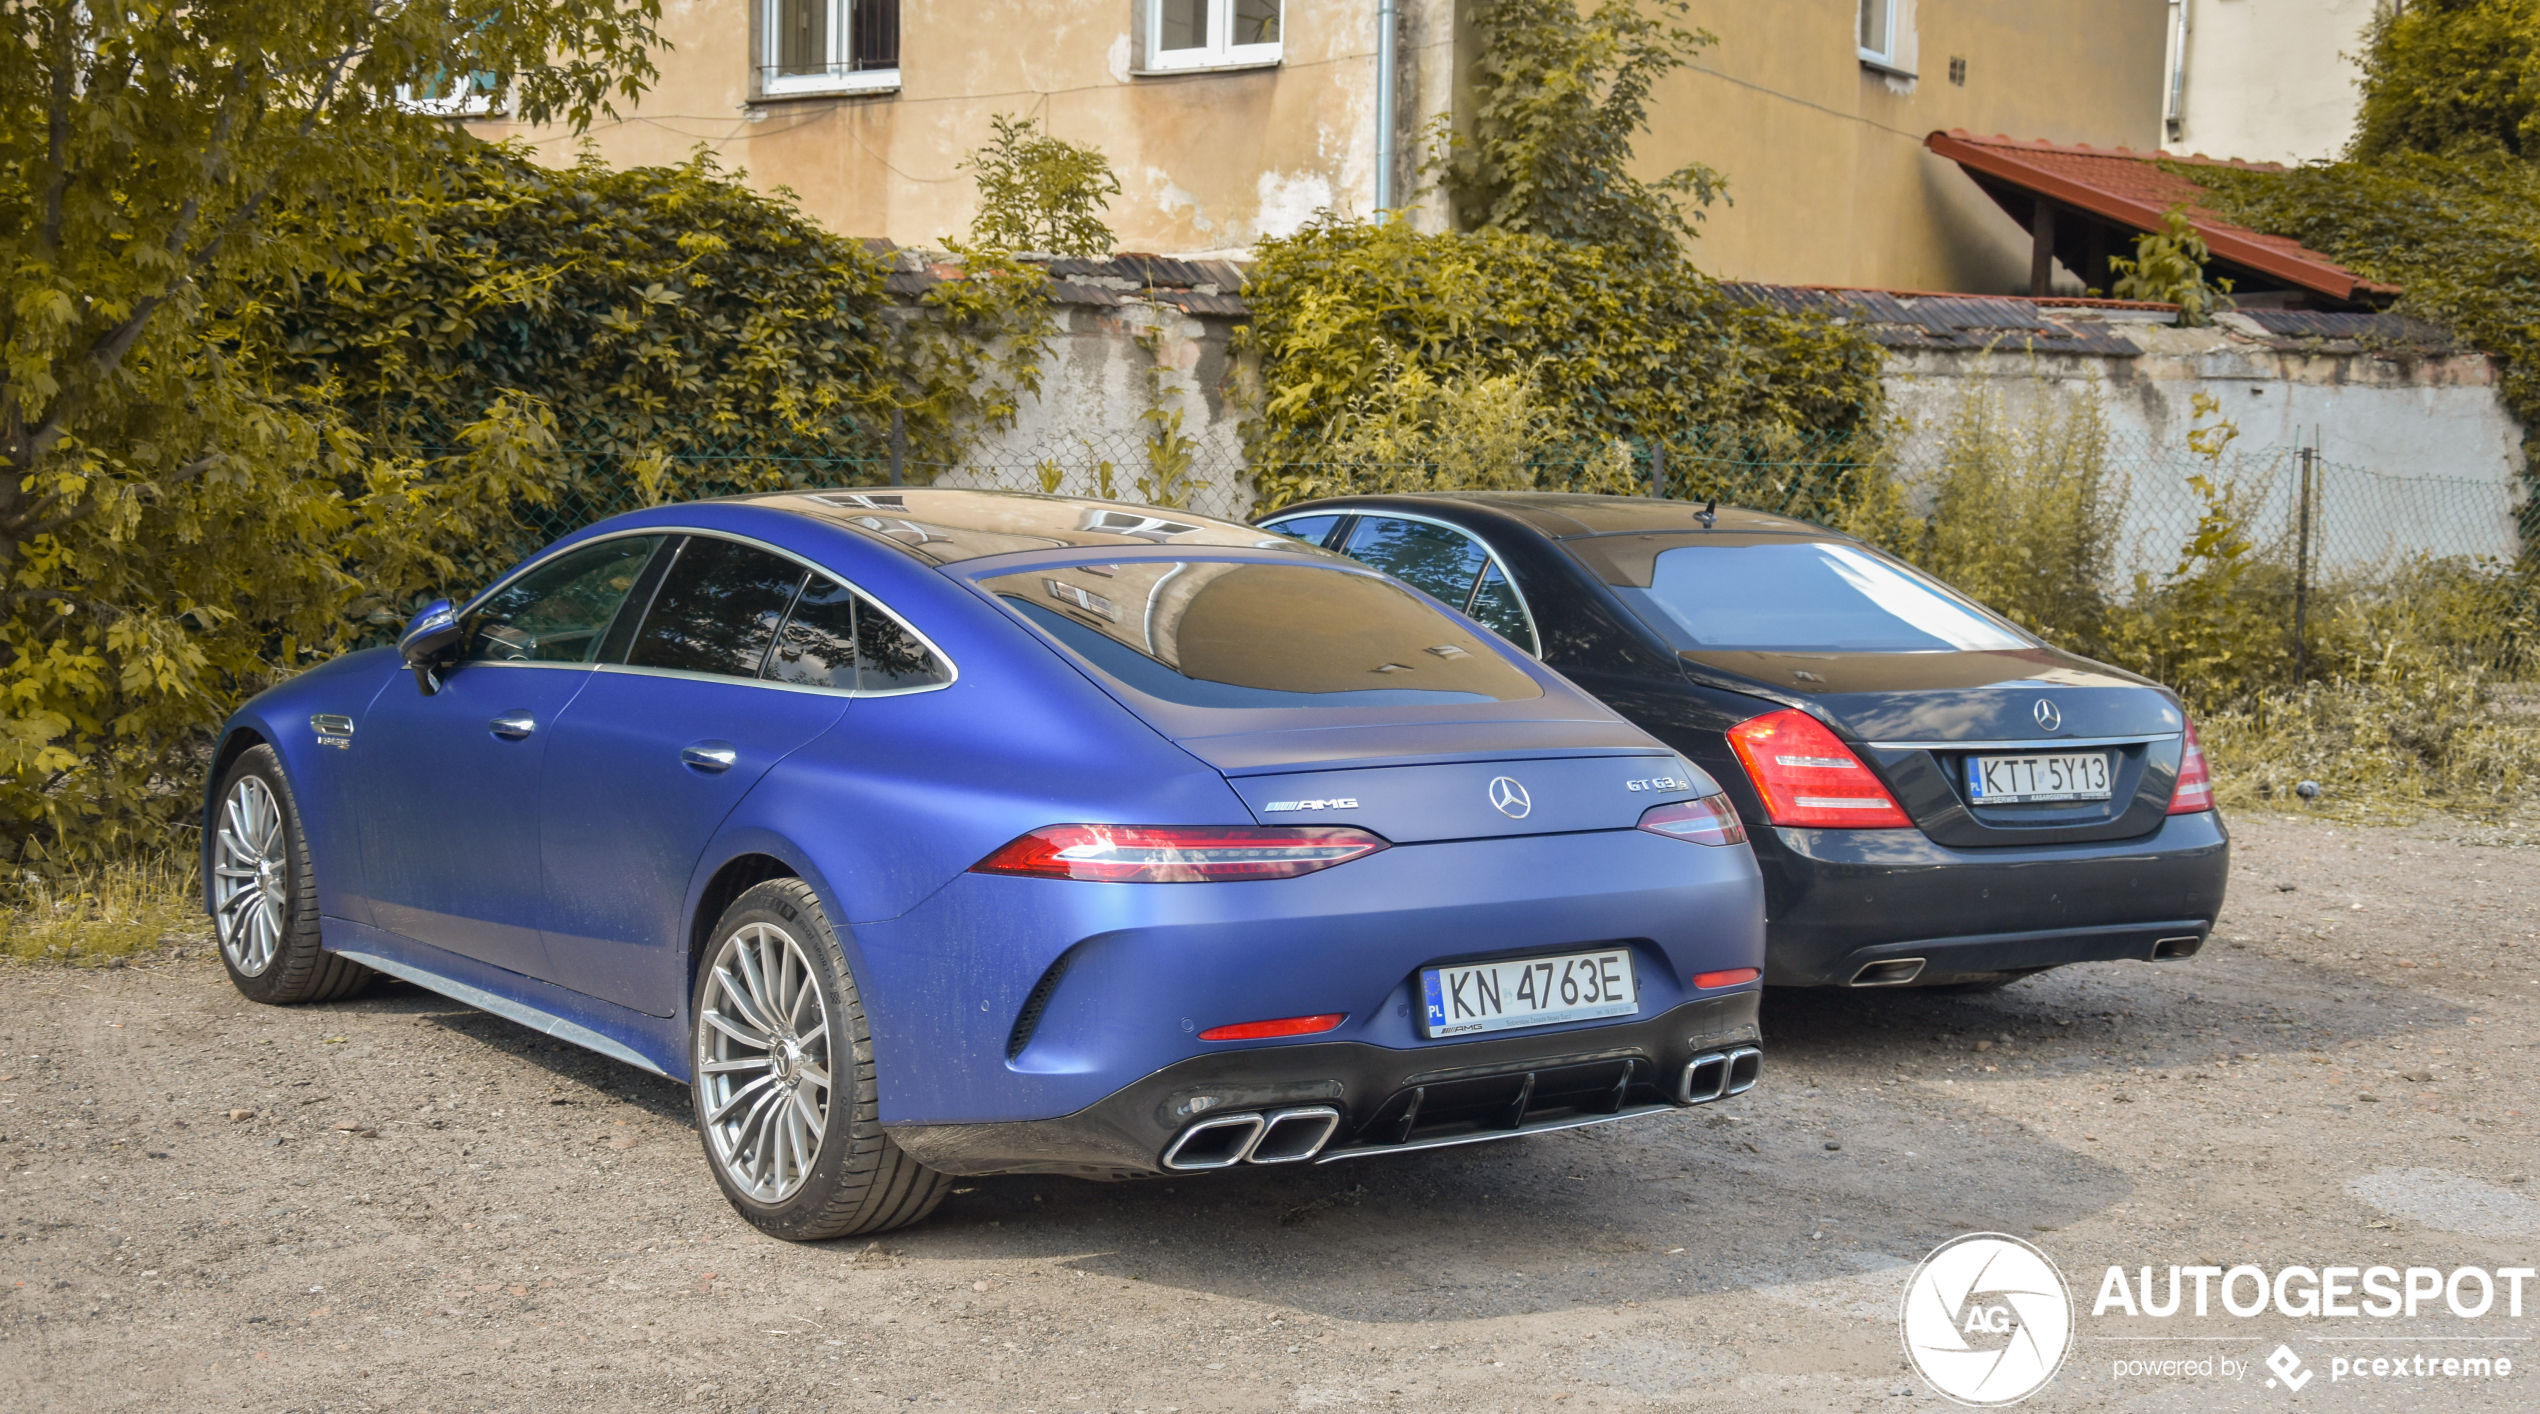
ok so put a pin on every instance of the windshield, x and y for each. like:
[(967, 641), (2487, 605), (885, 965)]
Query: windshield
[(1205, 634), (1808, 595)]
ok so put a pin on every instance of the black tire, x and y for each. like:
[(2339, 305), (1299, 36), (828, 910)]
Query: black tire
[(267, 924), (857, 1180)]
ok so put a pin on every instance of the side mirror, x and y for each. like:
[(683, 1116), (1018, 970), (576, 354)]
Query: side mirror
[(427, 641)]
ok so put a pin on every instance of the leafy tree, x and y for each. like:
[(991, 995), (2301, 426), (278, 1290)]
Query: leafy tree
[(176, 512), (2453, 77), (1041, 193), (2169, 266), (1558, 99)]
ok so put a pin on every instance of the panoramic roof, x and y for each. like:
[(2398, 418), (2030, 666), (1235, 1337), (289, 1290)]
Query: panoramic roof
[(948, 525)]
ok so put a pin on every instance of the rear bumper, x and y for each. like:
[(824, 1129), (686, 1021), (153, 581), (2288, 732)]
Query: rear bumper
[(1468, 1091), (1841, 900)]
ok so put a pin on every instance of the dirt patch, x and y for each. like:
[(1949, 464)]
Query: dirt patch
[(401, 1203)]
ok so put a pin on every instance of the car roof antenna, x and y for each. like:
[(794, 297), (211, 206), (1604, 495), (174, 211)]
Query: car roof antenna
[(1710, 513)]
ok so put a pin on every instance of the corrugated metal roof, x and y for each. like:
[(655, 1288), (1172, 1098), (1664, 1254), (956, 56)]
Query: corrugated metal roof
[(2318, 324), (2132, 188), (1925, 321)]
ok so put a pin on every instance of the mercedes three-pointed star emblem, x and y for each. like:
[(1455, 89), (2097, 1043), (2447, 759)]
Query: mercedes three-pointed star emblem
[(2048, 715), (1510, 798)]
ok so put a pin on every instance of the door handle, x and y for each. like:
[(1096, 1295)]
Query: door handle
[(709, 755), (512, 726)]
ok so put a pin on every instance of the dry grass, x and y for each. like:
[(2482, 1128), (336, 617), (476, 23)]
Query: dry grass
[(93, 917)]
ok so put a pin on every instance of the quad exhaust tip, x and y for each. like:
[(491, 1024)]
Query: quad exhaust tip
[(2170, 949), (1286, 1136), (1720, 1074), (1888, 972)]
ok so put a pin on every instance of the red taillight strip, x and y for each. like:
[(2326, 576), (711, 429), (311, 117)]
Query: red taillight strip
[(1263, 1030), (1808, 777), (1733, 977), (1707, 820), (2195, 789), (1177, 854)]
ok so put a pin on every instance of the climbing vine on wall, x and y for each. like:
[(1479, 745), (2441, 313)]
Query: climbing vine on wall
[(1613, 347)]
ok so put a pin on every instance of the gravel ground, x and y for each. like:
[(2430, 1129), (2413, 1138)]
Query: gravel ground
[(400, 1203)]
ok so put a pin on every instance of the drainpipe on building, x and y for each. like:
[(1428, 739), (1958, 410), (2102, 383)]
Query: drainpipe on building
[(1384, 107), (2174, 95)]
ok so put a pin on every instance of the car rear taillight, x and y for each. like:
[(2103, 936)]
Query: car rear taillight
[(1262, 1030), (1807, 776), (1177, 854), (1734, 977), (1710, 820), (2195, 789)]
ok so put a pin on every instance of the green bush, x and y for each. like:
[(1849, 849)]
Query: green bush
[(1612, 347)]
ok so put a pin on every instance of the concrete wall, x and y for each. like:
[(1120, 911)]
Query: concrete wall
[(1101, 376), (2270, 80), (1824, 155), (2417, 452)]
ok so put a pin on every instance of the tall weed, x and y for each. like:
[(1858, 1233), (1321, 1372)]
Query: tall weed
[(97, 914)]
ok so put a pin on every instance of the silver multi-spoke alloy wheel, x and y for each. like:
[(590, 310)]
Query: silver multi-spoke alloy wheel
[(763, 1068), (251, 873)]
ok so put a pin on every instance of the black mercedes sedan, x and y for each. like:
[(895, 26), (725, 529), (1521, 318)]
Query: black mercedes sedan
[(1936, 796)]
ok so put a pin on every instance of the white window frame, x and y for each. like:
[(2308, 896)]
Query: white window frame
[(471, 101), (839, 79), (1896, 53), (1218, 53)]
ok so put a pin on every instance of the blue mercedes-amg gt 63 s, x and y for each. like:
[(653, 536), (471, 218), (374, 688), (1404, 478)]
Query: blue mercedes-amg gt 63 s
[(939, 832), (1937, 797)]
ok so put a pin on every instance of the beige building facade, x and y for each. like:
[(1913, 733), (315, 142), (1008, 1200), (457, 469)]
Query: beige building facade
[(1233, 120), (2266, 80)]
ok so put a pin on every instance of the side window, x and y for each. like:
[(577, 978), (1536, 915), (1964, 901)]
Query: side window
[(828, 46), (717, 609), (889, 657), (1313, 530), (835, 638), (1440, 562), (1496, 604), (1208, 34), (557, 612)]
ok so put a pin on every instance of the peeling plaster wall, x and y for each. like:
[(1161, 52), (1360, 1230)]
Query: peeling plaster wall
[(1207, 161), (2421, 451), (1103, 372)]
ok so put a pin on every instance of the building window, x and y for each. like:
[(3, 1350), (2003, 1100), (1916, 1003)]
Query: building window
[(448, 95), (830, 46), (1211, 34), (1886, 38)]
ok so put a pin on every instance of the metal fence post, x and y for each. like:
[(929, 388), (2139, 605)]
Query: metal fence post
[(1657, 468), (2302, 569), (899, 443)]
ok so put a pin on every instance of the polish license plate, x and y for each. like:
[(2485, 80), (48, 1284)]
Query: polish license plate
[(2008, 780), (1533, 991)]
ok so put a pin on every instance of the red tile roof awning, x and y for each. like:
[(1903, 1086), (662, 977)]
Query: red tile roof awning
[(2132, 189)]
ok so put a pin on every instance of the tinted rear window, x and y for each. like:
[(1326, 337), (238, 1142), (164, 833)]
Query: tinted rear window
[(1207, 634), (1808, 595)]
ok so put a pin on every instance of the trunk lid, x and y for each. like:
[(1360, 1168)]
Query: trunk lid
[(1923, 721), (1462, 800)]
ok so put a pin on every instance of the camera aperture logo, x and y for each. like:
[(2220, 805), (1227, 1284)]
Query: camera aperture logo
[(1988, 1319)]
